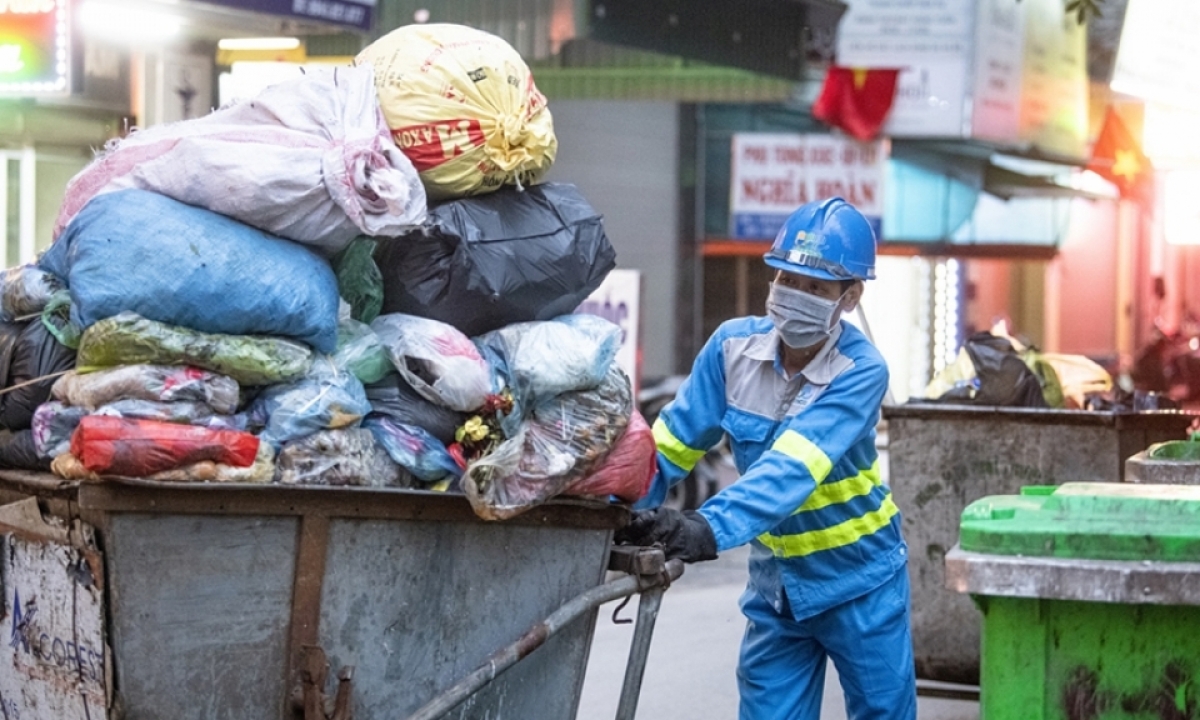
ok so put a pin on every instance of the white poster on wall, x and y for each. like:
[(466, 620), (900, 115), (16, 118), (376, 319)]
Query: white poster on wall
[(1157, 49), (774, 173), (999, 43), (930, 42), (618, 300)]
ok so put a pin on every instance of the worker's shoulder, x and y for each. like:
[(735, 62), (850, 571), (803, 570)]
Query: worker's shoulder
[(855, 345), (744, 327)]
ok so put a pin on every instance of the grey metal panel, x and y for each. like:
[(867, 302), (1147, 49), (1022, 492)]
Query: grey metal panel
[(415, 606), (200, 607), (942, 458), (1108, 581), (624, 158)]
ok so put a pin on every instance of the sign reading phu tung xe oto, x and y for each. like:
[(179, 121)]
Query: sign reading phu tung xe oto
[(772, 174)]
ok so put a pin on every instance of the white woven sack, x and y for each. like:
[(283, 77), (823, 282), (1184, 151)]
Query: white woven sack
[(310, 159)]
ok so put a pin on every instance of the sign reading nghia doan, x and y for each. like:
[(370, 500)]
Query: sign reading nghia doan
[(772, 174), (34, 47)]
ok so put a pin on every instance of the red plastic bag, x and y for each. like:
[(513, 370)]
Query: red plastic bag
[(136, 448), (629, 467)]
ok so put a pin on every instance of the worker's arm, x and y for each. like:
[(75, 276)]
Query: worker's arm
[(691, 423), (801, 457)]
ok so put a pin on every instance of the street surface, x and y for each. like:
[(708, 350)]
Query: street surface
[(693, 655)]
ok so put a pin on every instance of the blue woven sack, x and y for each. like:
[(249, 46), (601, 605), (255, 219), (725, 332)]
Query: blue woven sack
[(182, 265)]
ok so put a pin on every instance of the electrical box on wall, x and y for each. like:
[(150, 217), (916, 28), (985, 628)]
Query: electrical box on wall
[(773, 37)]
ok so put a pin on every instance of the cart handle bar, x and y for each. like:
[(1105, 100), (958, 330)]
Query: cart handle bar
[(506, 657)]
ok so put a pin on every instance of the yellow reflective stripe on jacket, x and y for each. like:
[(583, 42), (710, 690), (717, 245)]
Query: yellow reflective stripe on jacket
[(674, 449), (798, 447), (840, 535), (842, 491)]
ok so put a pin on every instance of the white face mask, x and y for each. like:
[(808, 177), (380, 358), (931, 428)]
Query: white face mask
[(802, 319)]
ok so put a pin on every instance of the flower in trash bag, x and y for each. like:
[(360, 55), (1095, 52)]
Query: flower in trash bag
[(473, 431), (481, 433)]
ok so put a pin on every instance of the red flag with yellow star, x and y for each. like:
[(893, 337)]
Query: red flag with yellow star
[(857, 100), (1117, 157)]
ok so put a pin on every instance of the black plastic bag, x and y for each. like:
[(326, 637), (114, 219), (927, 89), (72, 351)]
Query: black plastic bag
[(1001, 376), (393, 397), (17, 452), (484, 262), (28, 351)]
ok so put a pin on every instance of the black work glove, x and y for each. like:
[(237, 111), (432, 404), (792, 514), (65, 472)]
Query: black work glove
[(684, 535)]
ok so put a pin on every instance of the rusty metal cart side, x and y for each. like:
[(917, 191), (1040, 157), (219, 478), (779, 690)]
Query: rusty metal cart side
[(234, 602)]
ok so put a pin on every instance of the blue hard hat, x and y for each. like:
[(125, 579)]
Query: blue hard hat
[(829, 239)]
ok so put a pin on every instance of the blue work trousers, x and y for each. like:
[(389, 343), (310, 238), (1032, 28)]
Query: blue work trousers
[(781, 672)]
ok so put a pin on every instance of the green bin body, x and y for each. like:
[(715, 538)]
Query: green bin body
[(1090, 598)]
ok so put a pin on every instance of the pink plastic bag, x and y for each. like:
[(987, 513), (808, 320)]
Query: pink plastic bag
[(310, 160), (627, 470)]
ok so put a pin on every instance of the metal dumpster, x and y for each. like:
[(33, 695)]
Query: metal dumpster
[(1090, 597), (143, 601), (943, 457)]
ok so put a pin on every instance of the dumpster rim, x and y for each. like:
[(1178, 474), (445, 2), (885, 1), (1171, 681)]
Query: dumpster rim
[(352, 502), (946, 411)]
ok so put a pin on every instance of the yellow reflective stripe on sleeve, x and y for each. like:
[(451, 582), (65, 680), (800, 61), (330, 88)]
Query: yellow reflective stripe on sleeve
[(842, 491), (840, 535), (798, 447), (673, 449)]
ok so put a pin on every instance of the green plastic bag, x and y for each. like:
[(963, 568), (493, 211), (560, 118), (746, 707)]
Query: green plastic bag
[(360, 283), (130, 339), (361, 353)]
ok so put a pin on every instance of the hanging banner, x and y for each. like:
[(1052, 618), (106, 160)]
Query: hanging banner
[(34, 48), (772, 174)]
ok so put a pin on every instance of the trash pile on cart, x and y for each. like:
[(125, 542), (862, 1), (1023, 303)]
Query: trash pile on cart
[(355, 278)]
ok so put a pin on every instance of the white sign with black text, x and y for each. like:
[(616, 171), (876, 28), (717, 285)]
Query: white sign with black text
[(772, 174)]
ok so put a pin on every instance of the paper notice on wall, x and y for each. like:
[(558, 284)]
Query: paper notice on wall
[(930, 40), (54, 653)]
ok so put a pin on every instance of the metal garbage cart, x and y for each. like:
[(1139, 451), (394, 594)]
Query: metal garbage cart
[(943, 457), (139, 601), (1090, 598)]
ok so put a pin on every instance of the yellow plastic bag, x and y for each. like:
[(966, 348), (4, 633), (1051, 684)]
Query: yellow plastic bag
[(1079, 376), (462, 105)]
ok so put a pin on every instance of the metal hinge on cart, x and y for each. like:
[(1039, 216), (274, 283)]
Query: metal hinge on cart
[(310, 696), (647, 571)]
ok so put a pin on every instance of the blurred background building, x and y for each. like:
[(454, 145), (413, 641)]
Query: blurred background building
[(677, 119)]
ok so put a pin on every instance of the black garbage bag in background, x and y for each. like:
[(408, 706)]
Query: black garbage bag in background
[(1001, 376), (28, 351), (395, 398), (483, 262), (17, 452)]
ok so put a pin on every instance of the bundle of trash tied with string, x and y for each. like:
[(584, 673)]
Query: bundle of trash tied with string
[(358, 277)]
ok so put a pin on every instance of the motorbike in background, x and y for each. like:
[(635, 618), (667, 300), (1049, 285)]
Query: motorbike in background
[(1170, 363), (717, 464)]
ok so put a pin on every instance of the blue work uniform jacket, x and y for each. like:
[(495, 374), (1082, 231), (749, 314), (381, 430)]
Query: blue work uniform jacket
[(810, 498)]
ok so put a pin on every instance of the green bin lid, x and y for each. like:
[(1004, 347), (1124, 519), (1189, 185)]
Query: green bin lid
[(1096, 521)]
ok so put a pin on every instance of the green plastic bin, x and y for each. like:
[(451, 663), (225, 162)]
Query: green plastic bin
[(1090, 596), (1175, 462)]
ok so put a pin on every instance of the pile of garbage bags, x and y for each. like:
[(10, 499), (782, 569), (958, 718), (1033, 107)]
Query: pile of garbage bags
[(995, 368), (353, 279)]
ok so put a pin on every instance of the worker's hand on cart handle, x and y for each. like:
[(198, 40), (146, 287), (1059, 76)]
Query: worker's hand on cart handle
[(684, 535)]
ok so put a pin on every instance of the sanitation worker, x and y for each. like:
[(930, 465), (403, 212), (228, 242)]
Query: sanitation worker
[(798, 393)]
